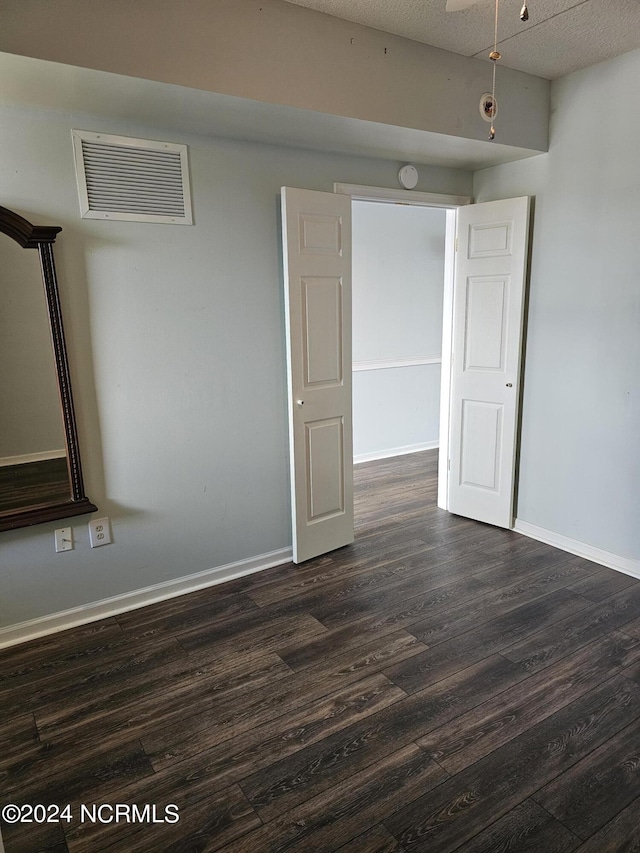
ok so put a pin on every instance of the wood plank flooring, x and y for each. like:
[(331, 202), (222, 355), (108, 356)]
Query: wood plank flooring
[(438, 686)]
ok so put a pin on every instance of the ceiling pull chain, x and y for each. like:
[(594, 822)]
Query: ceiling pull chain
[(495, 55)]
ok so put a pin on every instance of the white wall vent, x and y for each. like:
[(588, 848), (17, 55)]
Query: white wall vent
[(134, 179)]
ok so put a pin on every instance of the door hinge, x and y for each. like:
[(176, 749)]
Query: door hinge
[(448, 464), (456, 245)]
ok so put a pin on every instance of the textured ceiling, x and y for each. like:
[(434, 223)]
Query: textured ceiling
[(561, 36)]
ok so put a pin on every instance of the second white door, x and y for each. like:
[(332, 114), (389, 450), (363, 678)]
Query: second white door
[(488, 306)]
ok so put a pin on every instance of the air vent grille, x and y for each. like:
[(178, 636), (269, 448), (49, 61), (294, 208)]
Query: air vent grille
[(134, 179)]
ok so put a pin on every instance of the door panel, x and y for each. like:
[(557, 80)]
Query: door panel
[(481, 440), (490, 240), (487, 342), (323, 331), (486, 331), (317, 260), (325, 452)]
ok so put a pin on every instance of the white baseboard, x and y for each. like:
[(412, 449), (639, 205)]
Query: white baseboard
[(581, 549), (42, 456), (394, 451), (51, 624)]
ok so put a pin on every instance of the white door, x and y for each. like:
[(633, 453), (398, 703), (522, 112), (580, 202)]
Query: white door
[(488, 308), (317, 272)]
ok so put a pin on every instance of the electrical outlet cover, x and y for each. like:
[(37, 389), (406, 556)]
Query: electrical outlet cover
[(99, 533)]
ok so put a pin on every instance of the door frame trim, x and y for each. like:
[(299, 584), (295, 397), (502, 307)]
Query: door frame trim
[(365, 193), (451, 203)]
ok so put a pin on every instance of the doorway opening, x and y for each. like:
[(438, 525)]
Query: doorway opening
[(402, 293), (397, 298), (398, 256)]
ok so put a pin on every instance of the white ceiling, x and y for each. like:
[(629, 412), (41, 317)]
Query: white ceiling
[(561, 36)]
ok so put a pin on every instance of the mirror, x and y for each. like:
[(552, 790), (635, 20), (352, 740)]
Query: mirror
[(40, 472)]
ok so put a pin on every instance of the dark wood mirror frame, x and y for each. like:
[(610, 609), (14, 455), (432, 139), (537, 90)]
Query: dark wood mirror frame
[(42, 238)]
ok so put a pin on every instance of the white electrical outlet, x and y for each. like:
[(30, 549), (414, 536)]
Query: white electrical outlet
[(99, 533), (64, 539)]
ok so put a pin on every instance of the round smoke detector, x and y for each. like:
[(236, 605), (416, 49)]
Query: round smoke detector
[(488, 107), (408, 176)]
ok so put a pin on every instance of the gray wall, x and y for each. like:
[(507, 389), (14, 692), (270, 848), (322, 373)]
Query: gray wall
[(176, 341), (580, 460), (398, 281)]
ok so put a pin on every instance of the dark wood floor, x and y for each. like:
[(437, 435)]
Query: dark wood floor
[(438, 686)]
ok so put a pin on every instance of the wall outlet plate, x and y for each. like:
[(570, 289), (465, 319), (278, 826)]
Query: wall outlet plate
[(99, 532), (64, 539)]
